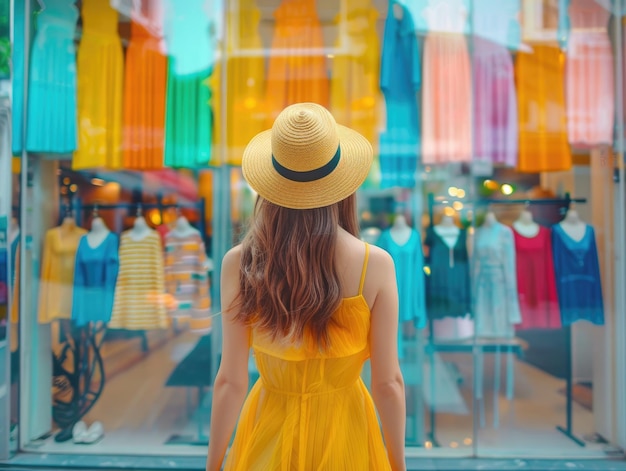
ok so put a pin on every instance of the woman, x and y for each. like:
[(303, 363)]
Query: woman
[(313, 302)]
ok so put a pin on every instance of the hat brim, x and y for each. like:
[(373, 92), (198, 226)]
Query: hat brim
[(350, 173)]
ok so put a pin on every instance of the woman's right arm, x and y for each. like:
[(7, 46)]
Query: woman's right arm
[(387, 381)]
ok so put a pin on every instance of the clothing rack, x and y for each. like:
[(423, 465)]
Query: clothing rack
[(565, 202), (79, 209), (199, 206)]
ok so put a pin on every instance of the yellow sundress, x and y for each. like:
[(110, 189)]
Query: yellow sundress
[(311, 410)]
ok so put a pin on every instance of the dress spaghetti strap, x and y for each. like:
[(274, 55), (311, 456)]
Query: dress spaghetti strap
[(364, 270)]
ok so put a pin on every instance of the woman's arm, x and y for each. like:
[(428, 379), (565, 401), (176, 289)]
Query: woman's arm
[(231, 382), (387, 381)]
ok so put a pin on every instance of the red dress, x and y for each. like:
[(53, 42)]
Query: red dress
[(536, 284)]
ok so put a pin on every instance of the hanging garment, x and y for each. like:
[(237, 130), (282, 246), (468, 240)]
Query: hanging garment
[(494, 282), (448, 285), (578, 280), (543, 143), (245, 79), (536, 286), (51, 121), (187, 280), (311, 410), (144, 89), (57, 272), (589, 75), (191, 50), (100, 89), (297, 64), (354, 92), (95, 275), (139, 302), (447, 91), (495, 104), (399, 82), (409, 262), (17, 82)]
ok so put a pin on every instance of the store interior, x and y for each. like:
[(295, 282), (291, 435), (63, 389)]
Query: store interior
[(117, 224)]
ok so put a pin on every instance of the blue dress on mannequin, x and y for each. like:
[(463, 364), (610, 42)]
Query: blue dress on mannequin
[(577, 273), (400, 81), (52, 82), (409, 262)]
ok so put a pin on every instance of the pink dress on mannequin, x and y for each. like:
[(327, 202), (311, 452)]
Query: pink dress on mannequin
[(589, 82)]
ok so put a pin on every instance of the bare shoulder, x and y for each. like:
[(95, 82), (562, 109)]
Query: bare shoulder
[(379, 259), (232, 258)]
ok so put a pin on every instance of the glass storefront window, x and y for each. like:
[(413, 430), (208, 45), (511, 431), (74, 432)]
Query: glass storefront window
[(498, 136)]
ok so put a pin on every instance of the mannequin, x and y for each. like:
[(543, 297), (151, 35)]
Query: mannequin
[(140, 228), (525, 225), (99, 232), (183, 228), (490, 219), (573, 225), (448, 231), (400, 231)]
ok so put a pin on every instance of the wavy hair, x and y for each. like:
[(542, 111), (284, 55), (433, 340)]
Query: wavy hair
[(288, 281)]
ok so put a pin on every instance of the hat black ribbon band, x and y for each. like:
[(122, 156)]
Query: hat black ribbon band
[(309, 175)]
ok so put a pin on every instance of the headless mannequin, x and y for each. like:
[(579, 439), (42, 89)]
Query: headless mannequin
[(140, 229), (490, 219), (183, 228), (448, 231), (400, 231), (525, 225), (573, 225), (98, 233), (398, 13)]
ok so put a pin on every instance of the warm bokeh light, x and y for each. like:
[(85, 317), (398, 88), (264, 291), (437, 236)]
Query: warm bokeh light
[(457, 205), (448, 211), (453, 191), (506, 189)]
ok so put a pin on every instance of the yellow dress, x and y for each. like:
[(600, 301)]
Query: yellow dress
[(245, 79), (57, 272), (100, 68), (354, 88), (543, 142), (311, 410)]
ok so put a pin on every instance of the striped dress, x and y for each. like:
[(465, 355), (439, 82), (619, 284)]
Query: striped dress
[(187, 280), (139, 294)]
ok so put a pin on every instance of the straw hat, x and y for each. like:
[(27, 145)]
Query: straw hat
[(306, 160)]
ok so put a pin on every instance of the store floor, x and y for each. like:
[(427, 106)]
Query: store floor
[(140, 415)]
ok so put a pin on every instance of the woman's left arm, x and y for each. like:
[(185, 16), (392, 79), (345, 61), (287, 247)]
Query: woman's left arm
[(231, 382)]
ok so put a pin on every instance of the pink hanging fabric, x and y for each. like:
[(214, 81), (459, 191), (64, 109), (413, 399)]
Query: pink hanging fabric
[(589, 81)]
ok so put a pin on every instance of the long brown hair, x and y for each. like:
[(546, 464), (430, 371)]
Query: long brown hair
[(288, 280)]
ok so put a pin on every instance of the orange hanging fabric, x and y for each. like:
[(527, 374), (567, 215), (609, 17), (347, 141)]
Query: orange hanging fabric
[(543, 144), (144, 89)]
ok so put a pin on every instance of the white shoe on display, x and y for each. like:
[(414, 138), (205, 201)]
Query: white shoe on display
[(78, 431), (94, 433)]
